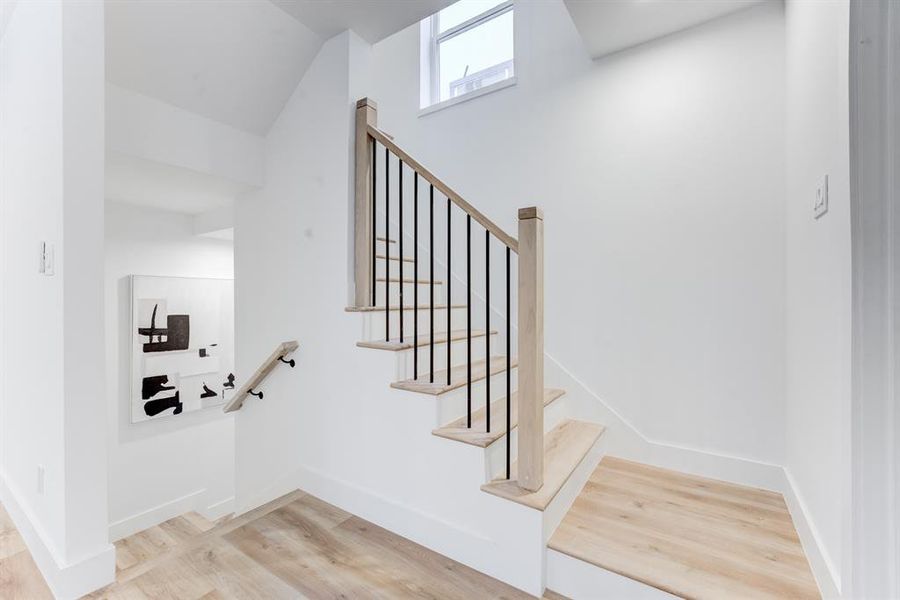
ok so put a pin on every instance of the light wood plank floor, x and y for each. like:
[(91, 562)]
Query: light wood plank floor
[(687, 535), (20, 578), (295, 547)]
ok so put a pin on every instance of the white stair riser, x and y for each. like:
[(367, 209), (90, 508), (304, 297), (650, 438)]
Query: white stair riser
[(380, 245), (373, 322), (581, 580), (458, 353), (408, 267), (408, 293), (452, 405), (495, 454)]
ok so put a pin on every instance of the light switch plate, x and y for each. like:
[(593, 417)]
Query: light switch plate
[(821, 206), (46, 265)]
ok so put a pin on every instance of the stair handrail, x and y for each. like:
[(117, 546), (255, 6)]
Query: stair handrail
[(530, 250), (280, 354), (445, 189)]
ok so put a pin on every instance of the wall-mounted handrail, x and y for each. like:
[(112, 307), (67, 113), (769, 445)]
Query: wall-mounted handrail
[(283, 350), (388, 142)]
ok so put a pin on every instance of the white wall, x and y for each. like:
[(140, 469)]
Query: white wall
[(51, 186), (660, 171), (290, 276), (161, 468), (144, 127), (818, 269)]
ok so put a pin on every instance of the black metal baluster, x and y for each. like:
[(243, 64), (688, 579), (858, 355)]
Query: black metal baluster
[(415, 274), (400, 210), (431, 285), (387, 246), (468, 321), (449, 303), (508, 368), (374, 214), (487, 327)]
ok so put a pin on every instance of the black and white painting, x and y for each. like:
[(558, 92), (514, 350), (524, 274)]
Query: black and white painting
[(182, 345)]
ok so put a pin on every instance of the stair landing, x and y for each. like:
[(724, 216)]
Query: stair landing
[(686, 535)]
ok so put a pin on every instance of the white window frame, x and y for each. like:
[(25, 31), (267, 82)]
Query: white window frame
[(433, 71)]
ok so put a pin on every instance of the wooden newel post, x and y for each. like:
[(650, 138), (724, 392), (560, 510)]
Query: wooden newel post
[(366, 114), (531, 348)]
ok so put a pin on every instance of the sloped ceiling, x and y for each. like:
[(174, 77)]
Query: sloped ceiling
[(372, 20), (608, 26), (236, 61), (233, 61)]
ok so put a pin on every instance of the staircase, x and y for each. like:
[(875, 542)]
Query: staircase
[(467, 340)]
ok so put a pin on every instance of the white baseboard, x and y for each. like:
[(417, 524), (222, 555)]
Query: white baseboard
[(219, 509), (823, 569), (66, 580), (451, 539), (283, 485), (156, 515)]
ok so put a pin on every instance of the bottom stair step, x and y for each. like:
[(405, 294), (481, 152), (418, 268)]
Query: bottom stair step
[(478, 435), (564, 448)]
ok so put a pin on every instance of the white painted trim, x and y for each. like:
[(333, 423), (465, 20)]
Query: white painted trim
[(283, 485), (219, 509), (494, 87), (824, 570), (65, 579), (872, 533), (155, 515), (451, 539)]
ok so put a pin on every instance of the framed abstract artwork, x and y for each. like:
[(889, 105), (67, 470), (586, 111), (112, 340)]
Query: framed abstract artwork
[(182, 345)]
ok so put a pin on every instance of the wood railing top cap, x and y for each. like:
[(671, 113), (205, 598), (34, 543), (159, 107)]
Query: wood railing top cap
[(366, 102), (531, 212)]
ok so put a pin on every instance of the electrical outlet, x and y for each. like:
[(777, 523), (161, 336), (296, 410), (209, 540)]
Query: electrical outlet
[(821, 206), (40, 479)]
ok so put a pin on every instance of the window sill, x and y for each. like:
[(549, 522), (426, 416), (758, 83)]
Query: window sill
[(470, 96)]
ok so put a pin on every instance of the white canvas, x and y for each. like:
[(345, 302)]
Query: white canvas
[(182, 345)]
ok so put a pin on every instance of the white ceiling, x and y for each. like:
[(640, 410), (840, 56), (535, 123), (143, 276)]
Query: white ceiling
[(608, 26), (143, 182), (234, 61), (372, 20)]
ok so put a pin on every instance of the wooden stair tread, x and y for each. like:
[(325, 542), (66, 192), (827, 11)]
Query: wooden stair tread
[(689, 536), (458, 377), (383, 239), (423, 340), (397, 307), (476, 435), (410, 280), (405, 258), (564, 448)]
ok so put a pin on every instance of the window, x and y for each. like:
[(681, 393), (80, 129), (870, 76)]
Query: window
[(466, 47)]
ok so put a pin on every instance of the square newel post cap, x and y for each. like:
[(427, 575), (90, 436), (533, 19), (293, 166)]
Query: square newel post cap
[(532, 212), (364, 102)]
